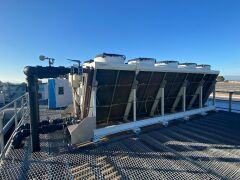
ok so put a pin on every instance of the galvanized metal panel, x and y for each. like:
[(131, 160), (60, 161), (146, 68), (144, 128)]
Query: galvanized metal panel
[(114, 88)]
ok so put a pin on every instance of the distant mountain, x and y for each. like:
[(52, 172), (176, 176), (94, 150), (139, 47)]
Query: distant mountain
[(232, 77)]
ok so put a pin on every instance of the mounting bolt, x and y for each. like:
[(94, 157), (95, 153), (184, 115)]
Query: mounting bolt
[(186, 118), (136, 130), (203, 114), (165, 124), (96, 141)]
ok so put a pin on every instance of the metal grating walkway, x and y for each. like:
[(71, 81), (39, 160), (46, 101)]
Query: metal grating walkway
[(203, 148)]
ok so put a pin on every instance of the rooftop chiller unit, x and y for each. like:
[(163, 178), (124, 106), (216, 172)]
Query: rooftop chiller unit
[(114, 95)]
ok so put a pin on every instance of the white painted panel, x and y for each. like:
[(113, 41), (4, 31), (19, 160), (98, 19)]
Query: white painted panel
[(63, 100)]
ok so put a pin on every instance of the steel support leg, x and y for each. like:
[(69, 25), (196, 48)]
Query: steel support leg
[(162, 101), (93, 101), (184, 99), (201, 100), (160, 94), (179, 96), (200, 97), (134, 105), (130, 98), (184, 102), (135, 130)]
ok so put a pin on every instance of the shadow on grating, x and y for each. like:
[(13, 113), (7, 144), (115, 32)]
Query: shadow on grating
[(202, 148)]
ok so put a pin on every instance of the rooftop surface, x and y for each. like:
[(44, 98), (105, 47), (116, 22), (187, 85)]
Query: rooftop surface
[(202, 148)]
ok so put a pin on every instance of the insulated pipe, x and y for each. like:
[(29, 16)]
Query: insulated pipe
[(34, 112), (33, 74)]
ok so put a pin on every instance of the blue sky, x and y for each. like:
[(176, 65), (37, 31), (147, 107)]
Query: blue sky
[(201, 31)]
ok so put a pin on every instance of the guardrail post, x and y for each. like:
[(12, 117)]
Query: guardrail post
[(1, 132), (214, 96), (230, 102), (23, 101), (15, 112)]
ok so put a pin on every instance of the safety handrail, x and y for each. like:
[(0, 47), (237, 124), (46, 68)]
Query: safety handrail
[(23, 110), (229, 99), (11, 103)]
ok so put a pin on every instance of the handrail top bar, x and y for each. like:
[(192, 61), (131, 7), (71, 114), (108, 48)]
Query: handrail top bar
[(8, 124), (223, 91), (7, 145), (7, 105)]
